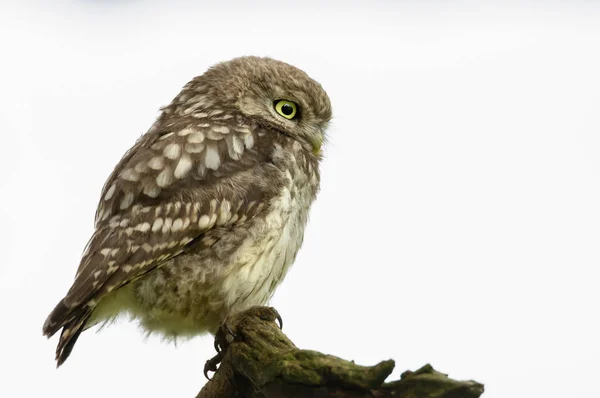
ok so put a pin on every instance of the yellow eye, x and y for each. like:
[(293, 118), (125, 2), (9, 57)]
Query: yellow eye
[(287, 109)]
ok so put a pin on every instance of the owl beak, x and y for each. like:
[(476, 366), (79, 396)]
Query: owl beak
[(317, 147), (317, 143)]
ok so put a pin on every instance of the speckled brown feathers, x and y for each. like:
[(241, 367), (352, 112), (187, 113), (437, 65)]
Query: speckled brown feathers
[(205, 213)]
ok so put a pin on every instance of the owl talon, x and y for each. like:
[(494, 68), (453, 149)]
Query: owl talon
[(211, 364), (227, 330), (278, 318), (221, 342)]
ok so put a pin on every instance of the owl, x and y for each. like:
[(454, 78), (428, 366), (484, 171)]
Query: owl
[(204, 215)]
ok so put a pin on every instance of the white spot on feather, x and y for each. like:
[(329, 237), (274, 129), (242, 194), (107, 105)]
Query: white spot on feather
[(177, 225), (220, 129), (172, 151), (157, 163), (126, 201), (157, 225), (249, 141), (165, 178), (185, 241), (110, 192), (212, 159), (237, 145), (185, 131), (196, 137), (152, 190), (195, 209), (157, 146), (167, 225), (130, 175), (100, 213), (143, 227), (164, 137), (176, 207), (203, 222), (242, 129), (183, 167), (194, 148), (224, 212), (141, 167)]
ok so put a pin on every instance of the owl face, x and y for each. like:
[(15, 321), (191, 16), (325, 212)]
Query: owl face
[(275, 95)]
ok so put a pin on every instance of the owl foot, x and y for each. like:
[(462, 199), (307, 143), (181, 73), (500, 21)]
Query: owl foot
[(221, 344), (225, 335)]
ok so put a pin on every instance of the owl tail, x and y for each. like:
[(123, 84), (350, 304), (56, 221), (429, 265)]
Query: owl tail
[(72, 324), (69, 336), (60, 316)]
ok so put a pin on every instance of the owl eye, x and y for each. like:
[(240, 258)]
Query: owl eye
[(287, 109)]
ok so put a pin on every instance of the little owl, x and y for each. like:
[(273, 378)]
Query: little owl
[(204, 215)]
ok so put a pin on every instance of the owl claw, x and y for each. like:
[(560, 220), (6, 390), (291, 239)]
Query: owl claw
[(211, 364), (278, 318), (221, 344), (227, 330)]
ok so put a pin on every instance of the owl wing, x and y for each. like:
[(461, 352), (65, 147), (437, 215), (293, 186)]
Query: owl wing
[(178, 181)]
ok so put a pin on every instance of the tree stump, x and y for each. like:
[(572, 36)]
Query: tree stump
[(262, 362)]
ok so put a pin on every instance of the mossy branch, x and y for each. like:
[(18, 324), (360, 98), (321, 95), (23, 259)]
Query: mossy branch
[(263, 362)]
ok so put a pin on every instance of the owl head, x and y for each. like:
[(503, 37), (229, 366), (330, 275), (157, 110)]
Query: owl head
[(272, 93)]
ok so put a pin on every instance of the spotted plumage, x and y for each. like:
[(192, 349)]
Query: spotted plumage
[(205, 213)]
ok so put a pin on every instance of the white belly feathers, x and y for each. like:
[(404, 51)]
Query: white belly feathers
[(263, 263)]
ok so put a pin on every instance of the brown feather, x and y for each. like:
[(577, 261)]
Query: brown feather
[(56, 319), (69, 336)]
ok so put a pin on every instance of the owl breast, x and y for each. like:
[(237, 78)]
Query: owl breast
[(231, 269), (263, 260)]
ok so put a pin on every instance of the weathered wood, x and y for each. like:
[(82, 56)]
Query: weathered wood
[(262, 362)]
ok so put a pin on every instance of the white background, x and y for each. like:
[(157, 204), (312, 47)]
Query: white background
[(459, 218)]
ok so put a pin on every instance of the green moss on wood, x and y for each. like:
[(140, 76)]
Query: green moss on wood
[(263, 362)]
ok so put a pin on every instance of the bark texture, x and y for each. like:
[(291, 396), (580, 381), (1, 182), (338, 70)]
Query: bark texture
[(261, 362)]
